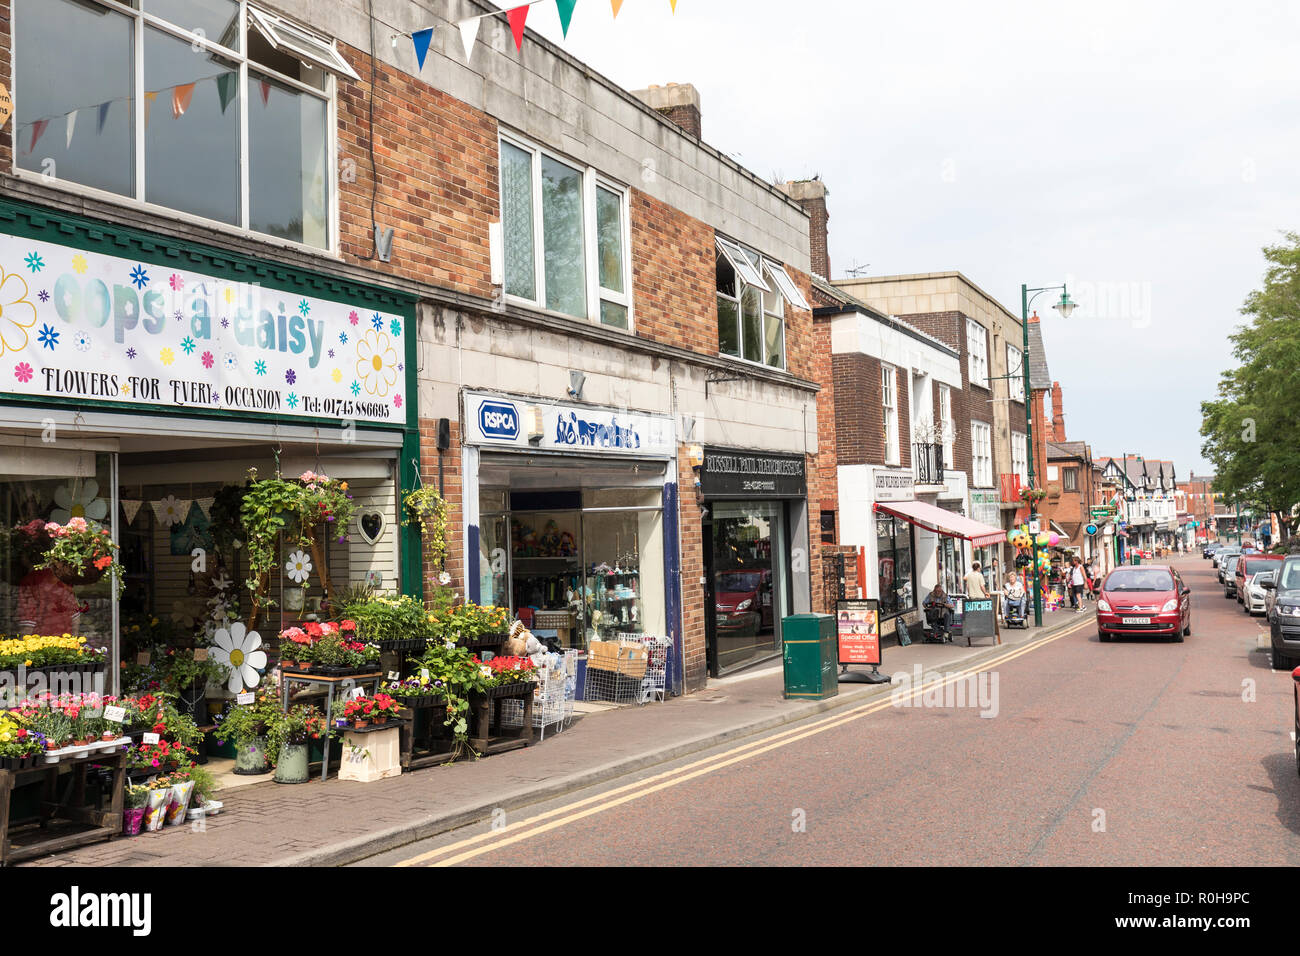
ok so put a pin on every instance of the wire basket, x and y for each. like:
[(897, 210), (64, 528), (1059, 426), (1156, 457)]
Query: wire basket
[(552, 699)]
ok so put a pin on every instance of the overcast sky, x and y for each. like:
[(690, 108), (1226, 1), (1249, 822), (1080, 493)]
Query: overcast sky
[(1142, 152)]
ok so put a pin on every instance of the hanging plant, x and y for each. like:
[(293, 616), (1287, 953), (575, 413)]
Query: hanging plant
[(1032, 495), (270, 509), (428, 509)]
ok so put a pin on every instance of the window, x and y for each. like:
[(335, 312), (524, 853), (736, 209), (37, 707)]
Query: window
[(564, 231), (889, 413), (981, 449), (752, 292), (894, 566), (977, 346), (1070, 480), (1020, 457), (947, 424), (185, 104), (1017, 372)]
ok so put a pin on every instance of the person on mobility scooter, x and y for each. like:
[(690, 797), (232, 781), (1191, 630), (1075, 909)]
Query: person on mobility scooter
[(938, 615), (1015, 602)]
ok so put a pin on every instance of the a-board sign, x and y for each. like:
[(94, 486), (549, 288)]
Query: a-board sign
[(900, 631), (857, 625), (977, 618)]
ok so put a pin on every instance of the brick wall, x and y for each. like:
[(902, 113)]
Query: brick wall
[(827, 449), (691, 529), (859, 424)]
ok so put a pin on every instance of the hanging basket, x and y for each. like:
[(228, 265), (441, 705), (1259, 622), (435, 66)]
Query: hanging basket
[(75, 574)]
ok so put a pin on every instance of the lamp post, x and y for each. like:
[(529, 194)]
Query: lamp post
[(1065, 307)]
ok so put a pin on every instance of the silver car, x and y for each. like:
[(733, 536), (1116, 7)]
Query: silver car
[(1255, 599)]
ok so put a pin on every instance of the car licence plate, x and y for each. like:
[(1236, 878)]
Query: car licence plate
[(1137, 620)]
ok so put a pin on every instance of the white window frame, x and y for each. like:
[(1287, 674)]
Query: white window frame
[(977, 345), (1016, 373), (1020, 456), (329, 95), (947, 424), (750, 267), (591, 179), (981, 454), (889, 409), (304, 44)]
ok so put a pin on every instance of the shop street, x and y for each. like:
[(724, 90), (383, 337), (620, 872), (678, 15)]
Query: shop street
[(1130, 753)]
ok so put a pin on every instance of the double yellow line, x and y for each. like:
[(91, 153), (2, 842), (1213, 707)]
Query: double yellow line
[(472, 847)]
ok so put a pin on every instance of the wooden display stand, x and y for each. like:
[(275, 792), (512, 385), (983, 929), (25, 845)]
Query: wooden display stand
[(434, 746), (486, 734), (24, 839)]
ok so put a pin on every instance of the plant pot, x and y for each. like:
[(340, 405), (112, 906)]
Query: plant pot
[(358, 724), (250, 760), (132, 821), (380, 721), (75, 574), (108, 735), (292, 765)]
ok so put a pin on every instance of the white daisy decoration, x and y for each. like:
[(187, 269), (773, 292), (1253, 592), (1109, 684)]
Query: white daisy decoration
[(79, 500), (220, 581), (169, 511), (82, 342), (231, 361), (444, 579), (239, 649), (299, 567)]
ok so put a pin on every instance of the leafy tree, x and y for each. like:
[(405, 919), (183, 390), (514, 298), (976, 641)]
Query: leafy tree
[(1252, 430)]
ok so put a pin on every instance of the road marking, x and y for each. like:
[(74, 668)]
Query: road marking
[(547, 821)]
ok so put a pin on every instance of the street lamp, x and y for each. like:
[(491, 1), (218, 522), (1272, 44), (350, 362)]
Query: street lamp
[(1066, 307)]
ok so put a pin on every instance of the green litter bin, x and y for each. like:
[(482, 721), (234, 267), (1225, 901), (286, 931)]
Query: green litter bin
[(810, 653)]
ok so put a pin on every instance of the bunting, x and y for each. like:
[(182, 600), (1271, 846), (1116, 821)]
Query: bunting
[(422, 39), (565, 9), (227, 89), (72, 123), (38, 130), (131, 507), (148, 107), (265, 89), (181, 96), (469, 34), (617, 5), (103, 116), (518, 17)]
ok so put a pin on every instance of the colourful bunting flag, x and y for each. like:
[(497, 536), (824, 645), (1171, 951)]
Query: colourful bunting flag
[(422, 39), (38, 130), (565, 8), (131, 508), (517, 17), (265, 89), (468, 34), (181, 97), (674, 3), (617, 5), (72, 122), (227, 88), (148, 107), (103, 117)]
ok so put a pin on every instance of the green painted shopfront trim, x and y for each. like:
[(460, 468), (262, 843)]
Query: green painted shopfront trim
[(39, 223)]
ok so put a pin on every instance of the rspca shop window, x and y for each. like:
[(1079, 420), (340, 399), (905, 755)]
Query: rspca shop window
[(215, 109)]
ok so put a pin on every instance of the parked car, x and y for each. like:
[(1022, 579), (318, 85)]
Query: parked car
[(1145, 600), (1249, 565), (1255, 593), (743, 600), (1295, 680), (1227, 568), (1221, 555), (1283, 610), (1209, 549)]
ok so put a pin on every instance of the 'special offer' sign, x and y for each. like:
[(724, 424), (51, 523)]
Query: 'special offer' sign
[(857, 623)]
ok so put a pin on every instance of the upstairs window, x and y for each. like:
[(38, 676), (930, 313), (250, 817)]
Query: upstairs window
[(978, 351), (752, 292), (889, 413), (565, 237), (212, 108), (1016, 371)]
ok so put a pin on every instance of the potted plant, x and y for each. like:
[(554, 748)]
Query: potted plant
[(428, 509), (137, 796), (247, 726), (187, 676), (507, 675), (81, 552), (20, 746), (459, 674), (288, 737)]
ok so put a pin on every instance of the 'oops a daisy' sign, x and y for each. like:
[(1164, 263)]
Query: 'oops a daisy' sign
[(83, 325)]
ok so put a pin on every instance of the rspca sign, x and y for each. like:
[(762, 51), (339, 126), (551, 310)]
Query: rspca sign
[(584, 429), (499, 420)]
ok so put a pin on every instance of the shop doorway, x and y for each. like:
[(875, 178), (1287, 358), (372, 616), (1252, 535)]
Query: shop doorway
[(747, 570)]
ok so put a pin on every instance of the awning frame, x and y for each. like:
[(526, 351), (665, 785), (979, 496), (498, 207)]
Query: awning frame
[(943, 522)]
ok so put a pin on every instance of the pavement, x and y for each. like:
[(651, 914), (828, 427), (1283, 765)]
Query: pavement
[(341, 822)]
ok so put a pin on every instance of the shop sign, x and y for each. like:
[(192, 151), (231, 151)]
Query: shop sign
[(556, 426), (858, 629), (742, 473), (894, 484), (984, 507), (83, 325)]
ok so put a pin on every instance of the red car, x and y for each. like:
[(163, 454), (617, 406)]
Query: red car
[(744, 601), (1143, 600)]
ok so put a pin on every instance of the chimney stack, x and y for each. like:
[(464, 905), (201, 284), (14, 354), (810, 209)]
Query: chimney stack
[(679, 102), (1058, 413), (811, 194)]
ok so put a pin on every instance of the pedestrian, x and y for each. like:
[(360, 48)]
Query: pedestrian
[(1077, 581), (974, 582)]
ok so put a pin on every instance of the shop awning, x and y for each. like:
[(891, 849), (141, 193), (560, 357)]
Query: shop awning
[(943, 522)]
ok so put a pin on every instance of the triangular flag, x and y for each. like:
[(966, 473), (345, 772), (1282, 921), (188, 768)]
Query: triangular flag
[(131, 508), (517, 16), (103, 116), (204, 505), (38, 130), (148, 106), (181, 96), (226, 88), (674, 3), (422, 39), (265, 89), (468, 34), (565, 8), (617, 5), (72, 122)]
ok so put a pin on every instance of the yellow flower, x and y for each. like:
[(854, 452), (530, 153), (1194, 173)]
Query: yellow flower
[(17, 314), (167, 356), (79, 264)]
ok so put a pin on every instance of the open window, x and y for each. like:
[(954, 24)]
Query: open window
[(782, 280), (745, 267), (311, 49)]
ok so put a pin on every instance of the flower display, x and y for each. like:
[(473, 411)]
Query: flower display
[(79, 546), (239, 649), (79, 500), (33, 650), (509, 670), (299, 567), (361, 710)]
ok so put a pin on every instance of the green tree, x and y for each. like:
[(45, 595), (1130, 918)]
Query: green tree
[(1252, 430)]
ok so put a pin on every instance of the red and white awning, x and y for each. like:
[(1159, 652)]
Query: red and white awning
[(943, 522)]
